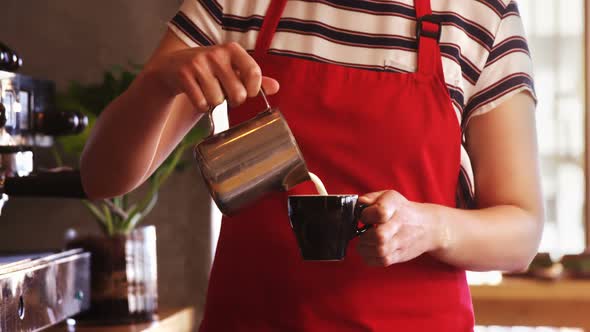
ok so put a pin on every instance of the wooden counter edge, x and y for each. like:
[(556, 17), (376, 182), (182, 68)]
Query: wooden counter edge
[(176, 319), (530, 302), (531, 289)]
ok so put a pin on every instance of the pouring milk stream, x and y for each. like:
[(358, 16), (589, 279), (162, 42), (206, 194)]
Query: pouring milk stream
[(319, 185)]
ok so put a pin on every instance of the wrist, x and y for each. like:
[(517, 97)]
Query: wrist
[(149, 82), (441, 229)]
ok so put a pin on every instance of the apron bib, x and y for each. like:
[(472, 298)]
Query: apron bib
[(360, 131)]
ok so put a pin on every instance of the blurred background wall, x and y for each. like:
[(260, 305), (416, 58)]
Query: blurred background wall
[(78, 40)]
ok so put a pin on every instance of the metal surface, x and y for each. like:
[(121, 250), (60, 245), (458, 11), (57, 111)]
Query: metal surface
[(15, 159), (37, 292), (24, 98), (18, 163), (249, 160), (20, 98)]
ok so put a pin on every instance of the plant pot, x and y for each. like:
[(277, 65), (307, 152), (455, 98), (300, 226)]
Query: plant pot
[(123, 277)]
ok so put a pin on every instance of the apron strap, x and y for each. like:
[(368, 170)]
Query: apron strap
[(428, 30), (269, 26)]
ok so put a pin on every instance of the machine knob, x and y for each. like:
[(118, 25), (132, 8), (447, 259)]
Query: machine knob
[(9, 60), (60, 123)]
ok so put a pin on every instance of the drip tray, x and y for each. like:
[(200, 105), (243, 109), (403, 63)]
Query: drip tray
[(38, 290)]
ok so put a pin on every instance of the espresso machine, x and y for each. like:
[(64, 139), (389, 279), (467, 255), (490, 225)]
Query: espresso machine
[(37, 290)]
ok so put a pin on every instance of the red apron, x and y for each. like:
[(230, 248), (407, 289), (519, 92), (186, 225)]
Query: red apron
[(360, 131)]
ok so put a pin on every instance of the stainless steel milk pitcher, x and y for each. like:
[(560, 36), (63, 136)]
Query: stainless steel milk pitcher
[(245, 162)]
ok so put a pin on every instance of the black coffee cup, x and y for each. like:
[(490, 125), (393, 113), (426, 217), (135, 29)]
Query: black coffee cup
[(323, 225)]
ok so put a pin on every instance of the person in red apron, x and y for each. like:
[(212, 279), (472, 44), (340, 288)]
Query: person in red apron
[(393, 137)]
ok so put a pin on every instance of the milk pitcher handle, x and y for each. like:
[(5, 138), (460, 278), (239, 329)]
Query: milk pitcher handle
[(210, 113)]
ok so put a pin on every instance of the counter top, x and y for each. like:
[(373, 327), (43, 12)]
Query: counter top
[(530, 302), (177, 320), (514, 302)]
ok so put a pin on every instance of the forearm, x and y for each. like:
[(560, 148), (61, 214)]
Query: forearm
[(124, 142), (502, 238)]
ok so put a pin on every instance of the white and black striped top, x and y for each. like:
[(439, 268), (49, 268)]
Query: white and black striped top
[(486, 59)]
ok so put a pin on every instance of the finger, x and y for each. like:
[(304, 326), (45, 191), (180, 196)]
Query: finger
[(193, 92), (270, 85), (382, 261), (247, 68), (209, 85), (377, 251), (235, 92), (380, 247), (381, 210), (380, 235)]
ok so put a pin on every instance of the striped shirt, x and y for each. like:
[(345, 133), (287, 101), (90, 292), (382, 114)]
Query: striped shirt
[(485, 55)]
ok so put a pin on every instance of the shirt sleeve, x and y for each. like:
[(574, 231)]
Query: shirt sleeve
[(508, 69), (199, 22)]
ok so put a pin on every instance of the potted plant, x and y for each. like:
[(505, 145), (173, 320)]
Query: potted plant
[(124, 267)]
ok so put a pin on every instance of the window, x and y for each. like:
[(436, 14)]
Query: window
[(556, 34), (555, 30)]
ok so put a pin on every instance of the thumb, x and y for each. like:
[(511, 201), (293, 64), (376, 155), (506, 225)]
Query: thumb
[(371, 198), (270, 85)]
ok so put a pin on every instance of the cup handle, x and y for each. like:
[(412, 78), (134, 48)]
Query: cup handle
[(358, 210)]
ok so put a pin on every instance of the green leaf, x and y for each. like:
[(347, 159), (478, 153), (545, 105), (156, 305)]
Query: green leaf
[(150, 205), (95, 211), (170, 165), (198, 133), (108, 219), (102, 221), (149, 197), (132, 209), (132, 222), (118, 201), (182, 165), (56, 156)]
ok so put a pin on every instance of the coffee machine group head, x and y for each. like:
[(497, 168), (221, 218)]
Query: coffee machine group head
[(29, 121)]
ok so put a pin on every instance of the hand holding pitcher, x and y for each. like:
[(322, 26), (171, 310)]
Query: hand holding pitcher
[(210, 74)]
